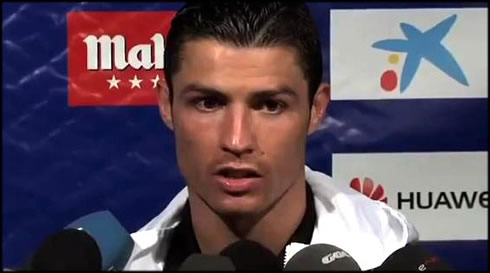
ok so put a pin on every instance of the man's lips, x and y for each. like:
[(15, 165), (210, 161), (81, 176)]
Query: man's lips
[(238, 179), (238, 172)]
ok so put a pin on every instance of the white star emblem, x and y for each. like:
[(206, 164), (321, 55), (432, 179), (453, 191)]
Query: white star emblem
[(155, 81), (113, 82), (135, 82)]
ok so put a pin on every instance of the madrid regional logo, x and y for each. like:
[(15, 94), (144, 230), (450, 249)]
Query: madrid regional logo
[(420, 45)]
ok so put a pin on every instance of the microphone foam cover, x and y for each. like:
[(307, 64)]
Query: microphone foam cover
[(321, 257), (413, 258), (250, 255), (202, 262), (69, 249)]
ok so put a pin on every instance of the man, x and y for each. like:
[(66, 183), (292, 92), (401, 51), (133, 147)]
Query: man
[(242, 93)]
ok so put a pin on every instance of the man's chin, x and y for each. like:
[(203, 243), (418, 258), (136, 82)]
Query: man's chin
[(238, 206)]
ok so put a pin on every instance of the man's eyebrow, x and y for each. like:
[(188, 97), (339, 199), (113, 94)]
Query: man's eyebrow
[(281, 90), (201, 89)]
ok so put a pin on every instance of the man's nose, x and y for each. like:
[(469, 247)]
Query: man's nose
[(238, 135)]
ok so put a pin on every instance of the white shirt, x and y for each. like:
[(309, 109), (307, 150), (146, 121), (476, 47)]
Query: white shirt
[(366, 229)]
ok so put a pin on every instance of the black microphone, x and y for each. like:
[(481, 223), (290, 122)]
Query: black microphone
[(69, 249), (413, 258), (202, 262), (321, 257), (250, 255), (96, 241)]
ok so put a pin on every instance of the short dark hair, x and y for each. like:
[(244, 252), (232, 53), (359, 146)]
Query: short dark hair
[(248, 24)]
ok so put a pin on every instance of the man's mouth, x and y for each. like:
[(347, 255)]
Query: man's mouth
[(238, 173), (236, 180)]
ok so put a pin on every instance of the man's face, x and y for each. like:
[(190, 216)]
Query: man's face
[(240, 117)]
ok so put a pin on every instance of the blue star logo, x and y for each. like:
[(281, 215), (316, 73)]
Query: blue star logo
[(426, 45)]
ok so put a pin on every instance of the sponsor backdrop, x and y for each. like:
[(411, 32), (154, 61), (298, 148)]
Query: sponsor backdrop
[(407, 124)]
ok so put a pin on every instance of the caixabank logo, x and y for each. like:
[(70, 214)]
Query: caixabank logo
[(420, 46), (409, 53), (116, 58)]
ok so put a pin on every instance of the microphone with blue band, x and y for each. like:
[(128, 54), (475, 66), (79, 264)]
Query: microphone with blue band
[(114, 241), (96, 241)]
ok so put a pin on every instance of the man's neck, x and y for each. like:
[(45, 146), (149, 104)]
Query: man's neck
[(272, 229)]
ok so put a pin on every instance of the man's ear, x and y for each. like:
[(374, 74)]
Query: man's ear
[(164, 104), (319, 107)]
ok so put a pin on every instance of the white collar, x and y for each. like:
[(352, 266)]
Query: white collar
[(368, 230)]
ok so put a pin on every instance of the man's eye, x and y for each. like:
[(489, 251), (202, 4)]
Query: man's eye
[(273, 106), (206, 104)]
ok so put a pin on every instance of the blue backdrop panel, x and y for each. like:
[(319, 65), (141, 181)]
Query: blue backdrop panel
[(61, 162)]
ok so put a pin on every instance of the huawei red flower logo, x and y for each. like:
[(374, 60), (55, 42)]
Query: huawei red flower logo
[(367, 187)]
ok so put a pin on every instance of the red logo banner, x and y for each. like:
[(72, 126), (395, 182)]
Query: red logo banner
[(116, 58)]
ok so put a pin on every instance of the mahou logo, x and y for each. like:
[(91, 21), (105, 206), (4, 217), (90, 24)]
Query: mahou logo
[(367, 187), (116, 58)]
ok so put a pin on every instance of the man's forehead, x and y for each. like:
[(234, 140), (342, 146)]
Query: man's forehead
[(216, 49), (221, 61), (214, 65)]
